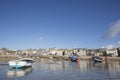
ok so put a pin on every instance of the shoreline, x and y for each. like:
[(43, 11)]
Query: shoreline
[(6, 58)]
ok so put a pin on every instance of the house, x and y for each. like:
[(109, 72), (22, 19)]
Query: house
[(112, 52), (82, 52)]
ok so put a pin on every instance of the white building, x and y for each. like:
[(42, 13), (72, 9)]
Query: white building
[(113, 52)]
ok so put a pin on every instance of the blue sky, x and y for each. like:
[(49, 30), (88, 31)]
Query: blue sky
[(59, 23)]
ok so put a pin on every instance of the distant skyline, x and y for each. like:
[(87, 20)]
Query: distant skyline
[(59, 23)]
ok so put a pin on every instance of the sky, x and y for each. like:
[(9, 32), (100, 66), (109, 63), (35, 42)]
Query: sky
[(59, 23)]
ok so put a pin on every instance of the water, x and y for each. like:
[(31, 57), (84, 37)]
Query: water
[(63, 70)]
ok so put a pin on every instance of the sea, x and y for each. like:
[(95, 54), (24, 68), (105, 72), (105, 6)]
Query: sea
[(63, 70)]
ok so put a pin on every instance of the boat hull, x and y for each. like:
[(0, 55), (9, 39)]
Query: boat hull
[(20, 63), (97, 59), (74, 58)]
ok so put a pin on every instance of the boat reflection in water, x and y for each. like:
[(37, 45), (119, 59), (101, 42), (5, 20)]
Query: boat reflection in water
[(19, 72)]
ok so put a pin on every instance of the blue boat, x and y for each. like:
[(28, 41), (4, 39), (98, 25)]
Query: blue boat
[(74, 58)]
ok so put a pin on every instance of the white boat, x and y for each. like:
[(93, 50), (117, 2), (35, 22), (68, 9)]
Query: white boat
[(23, 62)]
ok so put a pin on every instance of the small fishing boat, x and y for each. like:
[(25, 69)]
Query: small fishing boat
[(74, 58), (23, 62), (97, 59)]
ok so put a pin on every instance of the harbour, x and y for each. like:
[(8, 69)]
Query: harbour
[(63, 70), (59, 40)]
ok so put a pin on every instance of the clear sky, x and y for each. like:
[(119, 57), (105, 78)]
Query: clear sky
[(59, 23)]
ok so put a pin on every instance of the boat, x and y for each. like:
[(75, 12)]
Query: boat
[(23, 62), (74, 58), (19, 72), (97, 59)]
